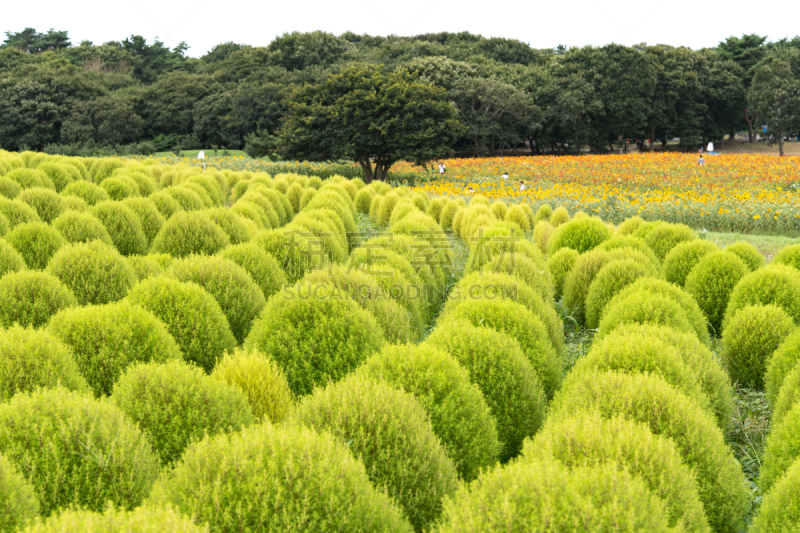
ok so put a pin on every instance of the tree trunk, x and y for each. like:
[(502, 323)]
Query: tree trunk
[(366, 166), (780, 144), (652, 137), (750, 119)]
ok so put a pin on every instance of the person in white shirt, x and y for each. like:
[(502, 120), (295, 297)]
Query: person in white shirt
[(442, 168), (505, 175), (521, 185)]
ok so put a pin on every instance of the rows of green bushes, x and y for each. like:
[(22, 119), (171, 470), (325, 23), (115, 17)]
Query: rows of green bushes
[(229, 350)]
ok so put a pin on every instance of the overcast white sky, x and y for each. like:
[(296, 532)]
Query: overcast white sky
[(202, 24)]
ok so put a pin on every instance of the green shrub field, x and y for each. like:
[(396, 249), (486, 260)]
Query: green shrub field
[(232, 350)]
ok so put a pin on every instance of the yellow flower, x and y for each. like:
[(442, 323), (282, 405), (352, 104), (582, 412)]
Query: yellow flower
[(756, 217)]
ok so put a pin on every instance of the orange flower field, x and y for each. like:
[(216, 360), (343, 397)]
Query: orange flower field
[(743, 193)]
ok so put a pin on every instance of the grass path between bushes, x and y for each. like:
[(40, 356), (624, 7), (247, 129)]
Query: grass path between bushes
[(768, 245)]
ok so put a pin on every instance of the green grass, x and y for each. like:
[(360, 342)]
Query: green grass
[(768, 245), (192, 154)]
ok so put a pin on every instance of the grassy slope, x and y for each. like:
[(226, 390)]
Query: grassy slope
[(768, 245)]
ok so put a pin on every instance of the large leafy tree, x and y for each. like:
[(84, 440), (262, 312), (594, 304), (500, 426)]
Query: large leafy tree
[(372, 117), (297, 51), (227, 118), (624, 78), (29, 40), (775, 96), (746, 51), (168, 105), (497, 115)]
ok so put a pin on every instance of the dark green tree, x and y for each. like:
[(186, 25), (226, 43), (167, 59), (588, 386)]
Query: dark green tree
[(372, 117), (298, 51), (497, 115), (747, 52), (775, 96), (29, 40)]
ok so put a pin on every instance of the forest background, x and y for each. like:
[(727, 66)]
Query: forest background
[(135, 97)]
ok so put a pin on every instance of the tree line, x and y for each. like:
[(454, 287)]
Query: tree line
[(439, 92)]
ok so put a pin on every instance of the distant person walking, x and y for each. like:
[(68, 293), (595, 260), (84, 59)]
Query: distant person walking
[(442, 168), (701, 161)]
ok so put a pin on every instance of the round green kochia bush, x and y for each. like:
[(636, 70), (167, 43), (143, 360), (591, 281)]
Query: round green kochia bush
[(316, 485), (448, 215), (712, 378), (458, 412), (609, 281), (390, 432), (781, 450), (497, 365), (711, 282), (73, 203), (17, 212), (491, 286), (149, 266), (782, 362), (534, 273), (30, 177), (231, 286), (9, 188), (789, 256), (95, 272), (47, 203), (260, 379), (544, 212), (151, 218), (91, 454), (689, 306), (192, 316), (363, 200), (580, 277), (124, 227), (30, 298), (18, 502), (664, 237), (750, 339), (262, 267), (36, 242), (106, 339), (315, 335), (587, 440), (92, 194), (641, 355), (642, 307), (516, 215), (175, 404), (518, 322), (541, 235), (560, 264), (581, 235), (81, 227), (544, 495), (188, 199), (10, 259), (234, 226), (145, 519), (119, 188), (558, 217), (682, 259), (749, 254), (60, 174), (776, 284), (190, 232), (651, 401), (780, 509), (399, 316), (166, 204), (31, 359), (626, 241)]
